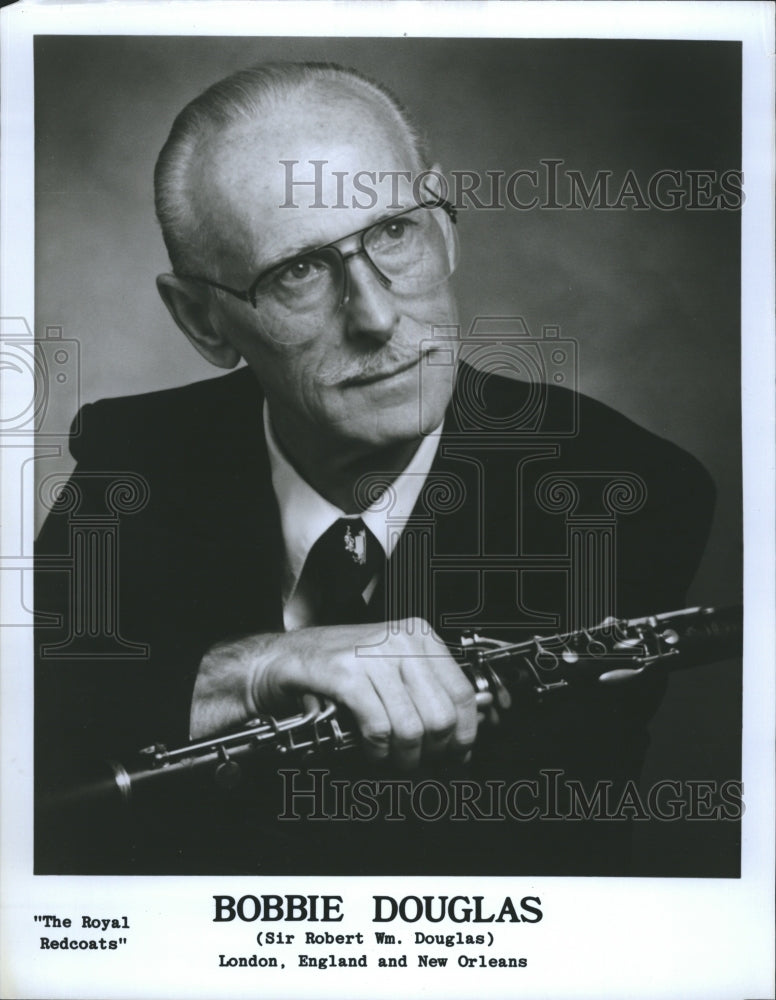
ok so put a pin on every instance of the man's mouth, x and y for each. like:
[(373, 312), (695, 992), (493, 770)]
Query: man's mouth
[(368, 378)]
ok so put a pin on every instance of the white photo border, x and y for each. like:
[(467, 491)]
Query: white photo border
[(646, 938)]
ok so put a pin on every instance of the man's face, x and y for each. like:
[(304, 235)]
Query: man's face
[(361, 375)]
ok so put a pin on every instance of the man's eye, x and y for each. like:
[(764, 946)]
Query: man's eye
[(303, 271), (395, 230), (298, 270), (394, 236), (392, 231)]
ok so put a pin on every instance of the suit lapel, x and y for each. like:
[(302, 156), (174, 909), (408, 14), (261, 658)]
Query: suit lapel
[(239, 516)]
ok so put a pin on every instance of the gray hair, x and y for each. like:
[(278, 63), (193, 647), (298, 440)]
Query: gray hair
[(239, 97)]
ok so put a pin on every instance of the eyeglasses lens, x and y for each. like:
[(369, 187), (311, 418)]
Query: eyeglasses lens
[(296, 301)]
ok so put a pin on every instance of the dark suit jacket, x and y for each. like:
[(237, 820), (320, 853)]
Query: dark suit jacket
[(521, 482)]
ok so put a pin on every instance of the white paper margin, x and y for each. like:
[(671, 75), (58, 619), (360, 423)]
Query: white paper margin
[(646, 938)]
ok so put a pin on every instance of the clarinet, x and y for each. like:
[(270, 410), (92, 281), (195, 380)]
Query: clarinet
[(540, 670)]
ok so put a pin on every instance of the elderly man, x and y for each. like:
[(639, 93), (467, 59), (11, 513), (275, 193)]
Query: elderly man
[(292, 545)]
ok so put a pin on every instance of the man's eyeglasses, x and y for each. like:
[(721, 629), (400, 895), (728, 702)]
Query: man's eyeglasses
[(410, 253)]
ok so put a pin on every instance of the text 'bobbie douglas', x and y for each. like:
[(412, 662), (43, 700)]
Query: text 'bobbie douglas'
[(328, 909)]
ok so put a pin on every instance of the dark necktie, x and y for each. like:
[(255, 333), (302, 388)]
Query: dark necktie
[(340, 565)]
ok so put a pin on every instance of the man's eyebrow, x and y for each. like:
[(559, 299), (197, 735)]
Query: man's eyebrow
[(304, 248), (292, 253)]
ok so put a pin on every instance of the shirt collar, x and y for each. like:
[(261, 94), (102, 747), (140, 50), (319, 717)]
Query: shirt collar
[(305, 515)]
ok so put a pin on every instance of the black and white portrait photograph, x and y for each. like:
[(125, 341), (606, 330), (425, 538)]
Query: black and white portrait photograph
[(385, 474)]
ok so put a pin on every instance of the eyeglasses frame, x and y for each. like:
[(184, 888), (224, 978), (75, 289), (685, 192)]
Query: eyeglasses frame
[(249, 294)]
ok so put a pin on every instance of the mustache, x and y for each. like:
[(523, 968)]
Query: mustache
[(381, 362)]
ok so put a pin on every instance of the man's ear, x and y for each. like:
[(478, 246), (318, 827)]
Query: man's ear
[(189, 304)]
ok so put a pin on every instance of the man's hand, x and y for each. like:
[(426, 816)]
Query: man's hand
[(408, 696)]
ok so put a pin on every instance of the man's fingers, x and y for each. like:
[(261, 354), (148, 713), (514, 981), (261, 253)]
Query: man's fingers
[(407, 725), (459, 690), (428, 707), (368, 710), (436, 710), (411, 701)]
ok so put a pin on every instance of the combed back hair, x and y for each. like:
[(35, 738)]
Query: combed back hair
[(241, 97)]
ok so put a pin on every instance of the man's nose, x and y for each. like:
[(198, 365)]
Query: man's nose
[(370, 309)]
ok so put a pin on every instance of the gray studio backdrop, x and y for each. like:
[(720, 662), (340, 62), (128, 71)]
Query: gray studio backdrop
[(651, 297)]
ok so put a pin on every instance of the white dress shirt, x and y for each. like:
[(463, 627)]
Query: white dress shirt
[(305, 515)]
